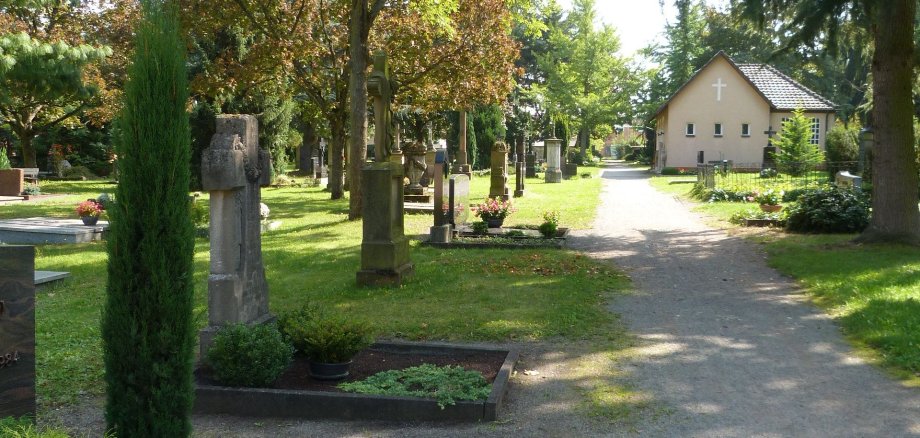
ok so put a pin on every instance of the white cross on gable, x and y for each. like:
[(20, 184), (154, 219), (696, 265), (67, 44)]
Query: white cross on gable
[(719, 86)]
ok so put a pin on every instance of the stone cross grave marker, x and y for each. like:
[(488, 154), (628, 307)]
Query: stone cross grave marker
[(381, 87), (384, 246), (17, 331), (233, 170)]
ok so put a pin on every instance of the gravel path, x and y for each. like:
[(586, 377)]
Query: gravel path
[(730, 346)]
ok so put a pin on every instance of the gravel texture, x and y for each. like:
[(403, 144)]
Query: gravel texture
[(727, 344)]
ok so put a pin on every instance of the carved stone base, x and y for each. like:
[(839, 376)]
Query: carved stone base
[(554, 176)]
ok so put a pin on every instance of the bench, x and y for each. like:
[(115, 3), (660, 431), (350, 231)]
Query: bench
[(30, 174)]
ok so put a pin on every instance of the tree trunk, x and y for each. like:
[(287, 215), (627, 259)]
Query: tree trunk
[(357, 89), (25, 134), (584, 138), (895, 216), (337, 156)]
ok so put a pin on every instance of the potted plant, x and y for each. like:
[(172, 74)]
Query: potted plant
[(494, 211), (769, 200), (89, 211), (328, 340)]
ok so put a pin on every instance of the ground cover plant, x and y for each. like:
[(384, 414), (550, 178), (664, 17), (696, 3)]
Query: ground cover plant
[(446, 384), (456, 294)]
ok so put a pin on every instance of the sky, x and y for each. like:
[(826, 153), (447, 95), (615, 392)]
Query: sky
[(638, 22)]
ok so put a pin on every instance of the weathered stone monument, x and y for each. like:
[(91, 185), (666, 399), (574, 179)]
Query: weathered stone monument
[(415, 167), (462, 165), (458, 199), (11, 182), (530, 160), (440, 232), (553, 160), (499, 180), (17, 331), (233, 169), (384, 247), (519, 169), (319, 161)]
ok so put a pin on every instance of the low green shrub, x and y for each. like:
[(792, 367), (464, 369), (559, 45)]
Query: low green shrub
[(515, 233), (243, 355), (480, 228), (327, 337), (740, 217), (79, 171), (32, 189), (670, 171), (830, 211), (445, 384), (550, 224), (200, 212), (24, 427), (793, 195)]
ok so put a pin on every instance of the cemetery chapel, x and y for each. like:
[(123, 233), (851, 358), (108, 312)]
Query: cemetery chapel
[(727, 111)]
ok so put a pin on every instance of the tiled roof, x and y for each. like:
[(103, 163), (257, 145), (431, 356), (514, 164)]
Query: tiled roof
[(781, 91)]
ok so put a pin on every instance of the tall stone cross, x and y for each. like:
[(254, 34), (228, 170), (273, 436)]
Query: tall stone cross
[(381, 86), (233, 169), (719, 86)]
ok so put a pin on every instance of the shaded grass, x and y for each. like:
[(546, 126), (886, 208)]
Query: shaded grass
[(872, 291), (460, 294)]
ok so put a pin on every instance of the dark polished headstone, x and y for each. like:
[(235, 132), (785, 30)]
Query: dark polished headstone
[(531, 160), (17, 331), (769, 161)]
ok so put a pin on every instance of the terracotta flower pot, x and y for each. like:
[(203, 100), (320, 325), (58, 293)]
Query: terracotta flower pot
[(770, 208)]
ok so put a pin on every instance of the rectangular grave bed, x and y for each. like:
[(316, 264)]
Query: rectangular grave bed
[(496, 238), (296, 395)]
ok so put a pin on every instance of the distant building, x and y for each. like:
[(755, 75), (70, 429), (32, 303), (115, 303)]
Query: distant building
[(723, 111)]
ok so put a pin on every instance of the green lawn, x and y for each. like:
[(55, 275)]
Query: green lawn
[(872, 291), (462, 295)]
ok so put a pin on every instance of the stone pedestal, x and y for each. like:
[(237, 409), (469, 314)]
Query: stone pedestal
[(17, 331), (499, 174), (384, 248), (531, 165), (553, 160), (233, 170), (415, 167)]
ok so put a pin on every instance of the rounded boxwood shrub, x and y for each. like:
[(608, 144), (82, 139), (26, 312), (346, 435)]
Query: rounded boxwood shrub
[(243, 355), (829, 211), (327, 337)]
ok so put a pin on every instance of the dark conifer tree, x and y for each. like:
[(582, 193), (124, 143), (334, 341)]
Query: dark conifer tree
[(147, 327)]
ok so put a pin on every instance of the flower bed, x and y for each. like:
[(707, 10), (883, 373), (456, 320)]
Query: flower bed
[(512, 238), (295, 395)]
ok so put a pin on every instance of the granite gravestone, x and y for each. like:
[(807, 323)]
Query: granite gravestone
[(458, 199), (384, 246), (233, 170), (17, 331), (499, 175), (531, 162), (519, 171)]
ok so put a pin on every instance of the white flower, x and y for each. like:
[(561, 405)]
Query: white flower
[(263, 210)]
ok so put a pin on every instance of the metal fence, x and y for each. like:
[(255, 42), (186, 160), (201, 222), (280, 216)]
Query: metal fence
[(729, 175)]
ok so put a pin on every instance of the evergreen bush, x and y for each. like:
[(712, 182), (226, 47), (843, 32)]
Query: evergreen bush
[(243, 355), (327, 337), (795, 154), (830, 210), (4, 160), (147, 327)]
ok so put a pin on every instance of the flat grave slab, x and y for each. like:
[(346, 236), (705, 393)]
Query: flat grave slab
[(39, 230), (42, 277), (419, 207)]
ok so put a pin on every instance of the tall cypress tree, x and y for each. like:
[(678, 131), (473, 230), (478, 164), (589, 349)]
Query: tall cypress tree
[(147, 326)]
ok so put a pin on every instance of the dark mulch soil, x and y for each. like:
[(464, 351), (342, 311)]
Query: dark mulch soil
[(370, 362)]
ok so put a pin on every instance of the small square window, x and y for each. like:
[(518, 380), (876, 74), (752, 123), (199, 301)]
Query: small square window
[(691, 129), (745, 129), (717, 130)]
